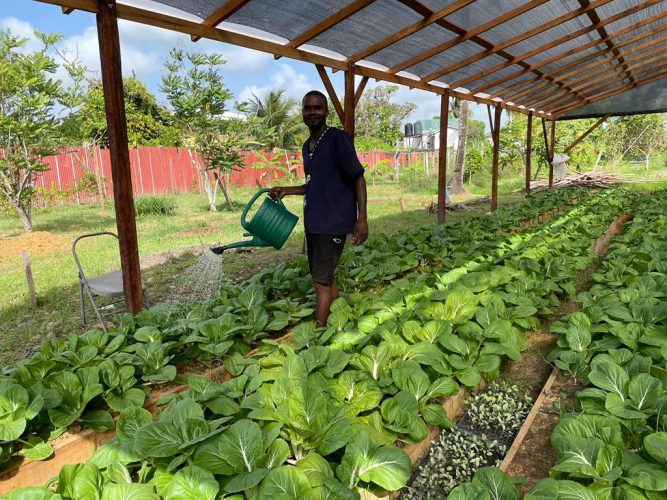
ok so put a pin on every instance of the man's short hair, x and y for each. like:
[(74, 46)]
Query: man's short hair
[(318, 94)]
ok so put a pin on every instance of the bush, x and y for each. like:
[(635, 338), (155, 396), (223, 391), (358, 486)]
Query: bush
[(154, 205)]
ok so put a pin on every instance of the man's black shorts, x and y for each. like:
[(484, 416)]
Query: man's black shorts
[(324, 251)]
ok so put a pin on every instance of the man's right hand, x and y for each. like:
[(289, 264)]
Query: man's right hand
[(278, 192)]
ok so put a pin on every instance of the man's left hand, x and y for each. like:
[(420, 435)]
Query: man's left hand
[(360, 232)]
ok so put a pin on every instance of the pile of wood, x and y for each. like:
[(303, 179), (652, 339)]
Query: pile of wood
[(590, 180), (432, 207)]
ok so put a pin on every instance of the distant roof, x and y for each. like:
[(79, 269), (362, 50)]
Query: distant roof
[(550, 56)]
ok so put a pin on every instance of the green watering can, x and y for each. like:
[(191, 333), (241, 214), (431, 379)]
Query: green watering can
[(270, 227)]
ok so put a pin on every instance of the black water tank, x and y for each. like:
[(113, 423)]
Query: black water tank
[(418, 128), (409, 130)]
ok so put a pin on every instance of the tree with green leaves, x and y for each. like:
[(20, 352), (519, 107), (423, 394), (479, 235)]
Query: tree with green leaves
[(636, 137), (379, 118), (28, 128), (280, 115), (148, 123), (196, 91)]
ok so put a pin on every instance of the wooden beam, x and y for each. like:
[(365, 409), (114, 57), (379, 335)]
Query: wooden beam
[(554, 43), (168, 22), (552, 151), (327, 23), (112, 83), (467, 35), (496, 157), (349, 106), (587, 133), (566, 54), (604, 73), (600, 66), (409, 30), (514, 40), (360, 90), (331, 91), (529, 149), (595, 19), (220, 14), (553, 94), (488, 112), (442, 156)]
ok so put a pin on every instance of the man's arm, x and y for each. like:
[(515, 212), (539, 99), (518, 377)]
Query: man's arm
[(360, 233), (282, 191)]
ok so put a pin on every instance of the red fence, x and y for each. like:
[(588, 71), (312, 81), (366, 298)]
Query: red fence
[(161, 170)]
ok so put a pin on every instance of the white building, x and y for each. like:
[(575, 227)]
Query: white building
[(425, 134)]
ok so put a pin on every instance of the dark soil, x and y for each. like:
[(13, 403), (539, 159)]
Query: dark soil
[(536, 456)]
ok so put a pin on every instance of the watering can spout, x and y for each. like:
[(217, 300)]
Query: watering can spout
[(254, 242)]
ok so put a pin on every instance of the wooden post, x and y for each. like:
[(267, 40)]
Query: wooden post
[(496, 153), (112, 84), (442, 156), (28, 277), (546, 141), (552, 150), (348, 124), (529, 147)]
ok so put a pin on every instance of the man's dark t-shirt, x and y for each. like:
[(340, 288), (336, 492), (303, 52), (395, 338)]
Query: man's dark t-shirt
[(330, 203)]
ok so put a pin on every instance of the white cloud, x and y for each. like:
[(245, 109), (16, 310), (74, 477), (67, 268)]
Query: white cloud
[(21, 29), (294, 84)]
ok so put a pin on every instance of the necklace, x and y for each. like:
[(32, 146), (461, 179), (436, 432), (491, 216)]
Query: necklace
[(312, 151)]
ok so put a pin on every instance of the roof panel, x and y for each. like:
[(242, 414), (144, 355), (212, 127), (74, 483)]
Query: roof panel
[(418, 42), (552, 34), (444, 59), (285, 19), (480, 12), (563, 48), (478, 67), (553, 68), (631, 19), (366, 27), (201, 8), (525, 22)]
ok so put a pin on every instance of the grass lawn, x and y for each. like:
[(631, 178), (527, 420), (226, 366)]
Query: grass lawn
[(192, 227)]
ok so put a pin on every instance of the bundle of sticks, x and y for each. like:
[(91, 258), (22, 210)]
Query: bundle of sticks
[(588, 180)]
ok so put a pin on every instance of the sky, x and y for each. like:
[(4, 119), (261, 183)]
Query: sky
[(144, 49)]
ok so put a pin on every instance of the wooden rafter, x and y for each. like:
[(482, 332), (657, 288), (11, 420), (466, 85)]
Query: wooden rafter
[(565, 107), (595, 19), (561, 98), (554, 43), (587, 133), (569, 53), (532, 103), (472, 34), (514, 40), (603, 74), (221, 14), (331, 91), (409, 30), (327, 23), (521, 85), (584, 72)]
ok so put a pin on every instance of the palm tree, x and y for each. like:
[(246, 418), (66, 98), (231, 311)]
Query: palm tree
[(280, 113)]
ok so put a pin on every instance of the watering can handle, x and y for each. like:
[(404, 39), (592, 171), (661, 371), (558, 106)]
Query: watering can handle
[(259, 193)]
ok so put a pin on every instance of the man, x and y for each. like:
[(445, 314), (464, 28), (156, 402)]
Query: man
[(334, 203)]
